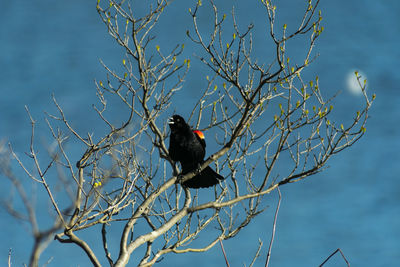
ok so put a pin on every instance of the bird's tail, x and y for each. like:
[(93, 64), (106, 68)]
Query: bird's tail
[(206, 178)]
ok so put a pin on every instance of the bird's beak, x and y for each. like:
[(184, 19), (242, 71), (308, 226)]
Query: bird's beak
[(170, 120)]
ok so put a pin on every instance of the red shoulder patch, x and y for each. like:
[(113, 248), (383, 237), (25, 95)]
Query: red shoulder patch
[(199, 134)]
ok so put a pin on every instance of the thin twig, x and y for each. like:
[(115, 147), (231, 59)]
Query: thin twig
[(257, 253), (223, 251), (9, 257), (104, 236), (273, 228), (347, 262)]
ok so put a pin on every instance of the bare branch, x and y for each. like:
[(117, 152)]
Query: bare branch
[(273, 228), (330, 256)]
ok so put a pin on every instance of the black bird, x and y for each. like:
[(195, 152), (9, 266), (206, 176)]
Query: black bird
[(189, 148)]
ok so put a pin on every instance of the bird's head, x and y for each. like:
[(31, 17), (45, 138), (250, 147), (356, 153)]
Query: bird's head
[(177, 123)]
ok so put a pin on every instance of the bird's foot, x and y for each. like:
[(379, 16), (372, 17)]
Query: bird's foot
[(198, 169), (179, 178)]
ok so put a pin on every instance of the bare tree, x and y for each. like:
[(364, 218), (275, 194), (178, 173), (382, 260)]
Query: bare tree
[(264, 115)]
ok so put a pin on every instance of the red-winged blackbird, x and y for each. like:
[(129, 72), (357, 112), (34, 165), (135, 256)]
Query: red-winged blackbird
[(189, 148)]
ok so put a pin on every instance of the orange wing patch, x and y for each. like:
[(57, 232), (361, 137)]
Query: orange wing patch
[(199, 134)]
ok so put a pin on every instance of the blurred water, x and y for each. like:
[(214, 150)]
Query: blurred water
[(49, 47)]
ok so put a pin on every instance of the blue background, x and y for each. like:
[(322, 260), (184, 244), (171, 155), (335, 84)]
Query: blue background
[(54, 47)]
